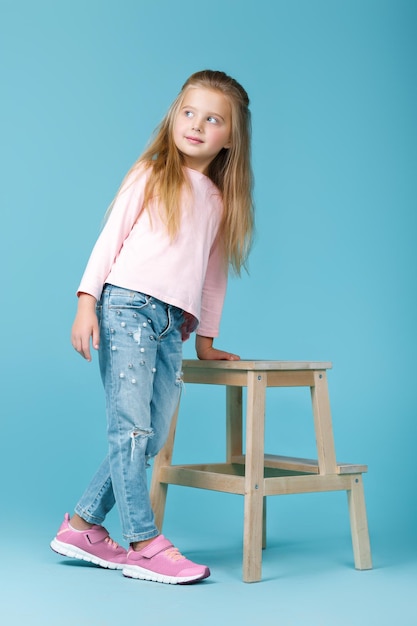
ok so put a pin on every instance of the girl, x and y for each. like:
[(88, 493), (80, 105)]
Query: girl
[(158, 272)]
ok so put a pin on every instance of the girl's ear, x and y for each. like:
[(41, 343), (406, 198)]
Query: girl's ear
[(228, 144)]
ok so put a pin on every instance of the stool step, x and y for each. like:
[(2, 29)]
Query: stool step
[(230, 478), (294, 464)]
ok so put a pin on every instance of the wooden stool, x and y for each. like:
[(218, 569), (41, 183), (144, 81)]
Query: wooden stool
[(256, 475)]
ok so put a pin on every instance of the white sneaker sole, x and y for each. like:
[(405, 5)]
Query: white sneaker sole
[(66, 549), (135, 571)]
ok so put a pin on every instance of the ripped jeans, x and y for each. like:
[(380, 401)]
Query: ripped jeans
[(140, 363)]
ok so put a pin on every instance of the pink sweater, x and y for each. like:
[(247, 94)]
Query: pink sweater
[(134, 251)]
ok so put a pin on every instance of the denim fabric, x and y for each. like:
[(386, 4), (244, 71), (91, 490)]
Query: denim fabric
[(140, 358)]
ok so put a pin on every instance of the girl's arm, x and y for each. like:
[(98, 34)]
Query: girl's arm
[(205, 350), (85, 326), (127, 206)]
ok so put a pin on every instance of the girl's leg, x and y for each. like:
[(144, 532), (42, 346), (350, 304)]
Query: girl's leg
[(134, 327), (98, 499), (167, 382)]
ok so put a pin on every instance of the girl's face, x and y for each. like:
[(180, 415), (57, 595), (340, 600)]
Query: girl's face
[(202, 126)]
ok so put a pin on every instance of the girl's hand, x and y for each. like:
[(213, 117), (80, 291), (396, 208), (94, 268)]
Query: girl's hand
[(85, 326), (206, 352)]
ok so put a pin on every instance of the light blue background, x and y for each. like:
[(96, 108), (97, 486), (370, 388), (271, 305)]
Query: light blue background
[(332, 273)]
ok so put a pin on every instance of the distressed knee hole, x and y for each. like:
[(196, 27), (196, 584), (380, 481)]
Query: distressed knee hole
[(141, 434)]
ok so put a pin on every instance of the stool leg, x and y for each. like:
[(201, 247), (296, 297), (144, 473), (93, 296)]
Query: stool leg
[(254, 477), (323, 424), (264, 524), (233, 422), (359, 524), (158, 490)]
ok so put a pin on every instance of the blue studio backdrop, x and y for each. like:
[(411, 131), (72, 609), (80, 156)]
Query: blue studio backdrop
[(332, 275)]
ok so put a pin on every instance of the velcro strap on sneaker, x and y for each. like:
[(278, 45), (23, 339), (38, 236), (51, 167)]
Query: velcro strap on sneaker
[(155, 547), (96, 534)]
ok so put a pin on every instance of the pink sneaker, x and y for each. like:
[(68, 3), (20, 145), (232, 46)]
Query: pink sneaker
[(93, 545), (161, 562)]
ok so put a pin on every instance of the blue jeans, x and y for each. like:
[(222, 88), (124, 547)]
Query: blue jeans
[(140, 363)]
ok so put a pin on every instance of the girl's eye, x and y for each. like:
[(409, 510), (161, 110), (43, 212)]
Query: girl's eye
[(188, 114), (212, 120)]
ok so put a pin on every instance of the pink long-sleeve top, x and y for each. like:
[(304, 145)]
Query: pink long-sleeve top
[(134, 251)]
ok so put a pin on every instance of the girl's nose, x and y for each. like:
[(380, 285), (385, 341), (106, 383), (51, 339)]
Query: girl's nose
[(197, 126)]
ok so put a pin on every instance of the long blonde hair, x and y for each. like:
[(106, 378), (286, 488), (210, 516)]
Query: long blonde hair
[(230, 170)]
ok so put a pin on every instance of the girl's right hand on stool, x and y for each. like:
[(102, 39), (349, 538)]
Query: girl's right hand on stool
[(206, 351), (85, 326)]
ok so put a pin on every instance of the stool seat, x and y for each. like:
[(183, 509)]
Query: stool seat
[(256, 475)]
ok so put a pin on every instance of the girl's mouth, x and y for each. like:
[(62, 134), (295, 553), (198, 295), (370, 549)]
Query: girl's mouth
[(194, 139)]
